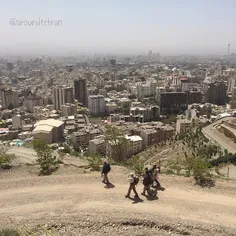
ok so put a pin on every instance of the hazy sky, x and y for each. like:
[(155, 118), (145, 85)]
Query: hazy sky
[(119, 26)]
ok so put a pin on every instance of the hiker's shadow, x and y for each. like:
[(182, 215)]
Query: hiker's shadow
[(160, 188), (136, 200), (151, 197), (110, 185)]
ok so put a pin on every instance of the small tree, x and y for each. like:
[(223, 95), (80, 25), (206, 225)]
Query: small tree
[(188, 165), (47, 162), (5, 160), (95, 162), (137, 165), (115, 138), (202, 173)]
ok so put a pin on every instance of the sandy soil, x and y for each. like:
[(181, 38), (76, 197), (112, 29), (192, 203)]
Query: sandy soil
[(23, 155), (73, 201)]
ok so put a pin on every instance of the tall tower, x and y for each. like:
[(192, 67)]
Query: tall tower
[(81, 91), (229, 49), (9, 99), (61, 96)]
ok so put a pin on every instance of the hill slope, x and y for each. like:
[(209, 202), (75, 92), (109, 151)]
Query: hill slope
[(72, 202)]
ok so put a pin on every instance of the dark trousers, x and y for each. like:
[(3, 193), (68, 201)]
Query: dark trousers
[(132, 187), (146, 188), (105, 178)]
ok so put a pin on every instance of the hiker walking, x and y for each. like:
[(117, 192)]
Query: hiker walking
[(105, 170), (155, 175), (147, 181), (133, 179)]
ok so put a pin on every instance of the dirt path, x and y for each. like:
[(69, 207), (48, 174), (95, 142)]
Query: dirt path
[(34, 200)]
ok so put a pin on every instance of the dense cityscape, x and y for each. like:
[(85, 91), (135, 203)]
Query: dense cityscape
[(151, 97)]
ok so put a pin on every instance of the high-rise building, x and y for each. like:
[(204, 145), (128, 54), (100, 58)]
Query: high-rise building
[(10, 65), (96, 104), (215, 92), (113, 62), (9, 99), (231, 84), (81, 91), (61, 96), (68, 96), (17, 121), (173, 102), (68, 109), (33, 101)]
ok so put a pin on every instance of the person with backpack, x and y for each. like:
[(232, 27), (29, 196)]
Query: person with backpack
[(105, 170), (133, 179), (147, 181)]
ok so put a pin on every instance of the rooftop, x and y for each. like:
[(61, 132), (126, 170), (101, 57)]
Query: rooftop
[(43, 129), (134, 138), (50, 122), (97, 140)]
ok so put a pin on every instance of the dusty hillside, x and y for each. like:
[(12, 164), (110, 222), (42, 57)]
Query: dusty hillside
[(72, 202)]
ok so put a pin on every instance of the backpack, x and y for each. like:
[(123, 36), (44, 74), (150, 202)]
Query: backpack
[(136, 180), (150, 172), (108, 167), (147, 180)]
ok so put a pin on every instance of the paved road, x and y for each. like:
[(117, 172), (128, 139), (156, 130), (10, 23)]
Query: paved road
[(217, 137), (229, 171)]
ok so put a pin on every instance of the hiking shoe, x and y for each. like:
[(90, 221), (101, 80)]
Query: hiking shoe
[(126, 196)]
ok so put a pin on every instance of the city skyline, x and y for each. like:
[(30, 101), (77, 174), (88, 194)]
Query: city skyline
[(168, 27)]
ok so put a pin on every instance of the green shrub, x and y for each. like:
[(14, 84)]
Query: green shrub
[(47, 162), (201, 170), (94, 162), (136, 164), (175, 165), (5, 160), (9, 232), (193, 166), (74, 153), (67, 148), (227, 158)]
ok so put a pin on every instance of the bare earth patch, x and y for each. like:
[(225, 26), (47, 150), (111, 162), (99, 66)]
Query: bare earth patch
[(73, 202)]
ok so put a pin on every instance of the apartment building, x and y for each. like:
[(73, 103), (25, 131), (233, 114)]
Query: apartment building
[(17, 122), (173, 101), (33, 101), (134, 144), (96, 104), (9, 99), (81, 93), (61, 96), (83, 136), (215, 92), (153, 134), (97, 146), (68, 109)]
